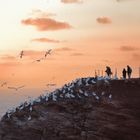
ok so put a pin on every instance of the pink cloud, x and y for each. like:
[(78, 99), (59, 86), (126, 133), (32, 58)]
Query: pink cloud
[(46, 24)]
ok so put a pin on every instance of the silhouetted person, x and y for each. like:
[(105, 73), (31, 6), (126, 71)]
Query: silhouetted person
[(124, 73), (129, 71), (108, 71)]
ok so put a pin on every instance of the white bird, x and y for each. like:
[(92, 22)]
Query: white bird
[(78, 95), (86, 94), (46, 98), (80, 91), (21, 107), (93, 82), (54, 97), (110, 96), (31, 109), (72, 96), (8, 115), (61, 96), (79, 82), (17, 88), (38, 100), (67, 95), (97, 97), (48, 53), (64, 91), (29, 118), (103, 93), (94, 94)]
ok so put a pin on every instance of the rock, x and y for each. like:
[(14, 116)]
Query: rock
[(84, 118)]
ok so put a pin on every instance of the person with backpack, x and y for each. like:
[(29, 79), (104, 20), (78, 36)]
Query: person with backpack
[(108, 71), (129, 71)]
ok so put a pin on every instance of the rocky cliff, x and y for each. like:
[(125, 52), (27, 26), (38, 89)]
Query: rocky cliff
[(86, 109)]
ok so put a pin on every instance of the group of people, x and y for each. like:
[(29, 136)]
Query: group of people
[(128, 72), (125, 72)]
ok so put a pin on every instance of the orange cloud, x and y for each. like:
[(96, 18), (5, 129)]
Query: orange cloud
[(71, 1), (45, 40), (46, 24), (103, 20), (128, 48)]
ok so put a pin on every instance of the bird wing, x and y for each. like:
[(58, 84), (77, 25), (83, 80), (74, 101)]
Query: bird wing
[(49, 51), (11, 87), (21, 87)]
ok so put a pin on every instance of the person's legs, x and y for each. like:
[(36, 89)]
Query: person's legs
[(129, 75)]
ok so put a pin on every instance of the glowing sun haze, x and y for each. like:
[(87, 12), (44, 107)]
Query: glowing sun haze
[(84, 35)]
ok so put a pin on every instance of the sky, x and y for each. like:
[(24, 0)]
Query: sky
[(84, 35)]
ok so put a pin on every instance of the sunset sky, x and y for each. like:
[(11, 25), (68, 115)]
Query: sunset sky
[(84, 35)]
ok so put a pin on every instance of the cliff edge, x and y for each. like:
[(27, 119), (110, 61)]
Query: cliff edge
[(85, 109)]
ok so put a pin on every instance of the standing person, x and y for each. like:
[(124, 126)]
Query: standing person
[(108, 71), (124, 73), (129, 71)]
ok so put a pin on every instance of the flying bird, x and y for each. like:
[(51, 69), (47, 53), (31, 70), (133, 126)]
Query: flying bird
[(38, 60), (48, 53), (21, 54), (16, 88), (3, 84), (51, 85)]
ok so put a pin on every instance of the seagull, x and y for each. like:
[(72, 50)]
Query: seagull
[(38, 60), (29, 118), (80, 91), (110, 96), (51, 85), (54, 97), (48, 53), (31, 109), (85, 94), (97, 97), (21, 54), (16, 88), (94, 94), (103, 93), (3, 84)]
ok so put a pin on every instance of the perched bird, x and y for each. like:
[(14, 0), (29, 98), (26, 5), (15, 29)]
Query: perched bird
[(16, 88), (31, 109), (48, 53), (110, 96), (21, 54), (29, 118)]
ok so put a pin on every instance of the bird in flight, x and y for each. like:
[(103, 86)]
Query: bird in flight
[(51, 85), (16, 88), (21, 54), (48, 53), (38, 60), (3, 84)]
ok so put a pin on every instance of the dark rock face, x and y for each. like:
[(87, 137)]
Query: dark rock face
[(114, 115)]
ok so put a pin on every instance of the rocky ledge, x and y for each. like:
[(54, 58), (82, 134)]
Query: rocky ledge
[(86, 109)]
